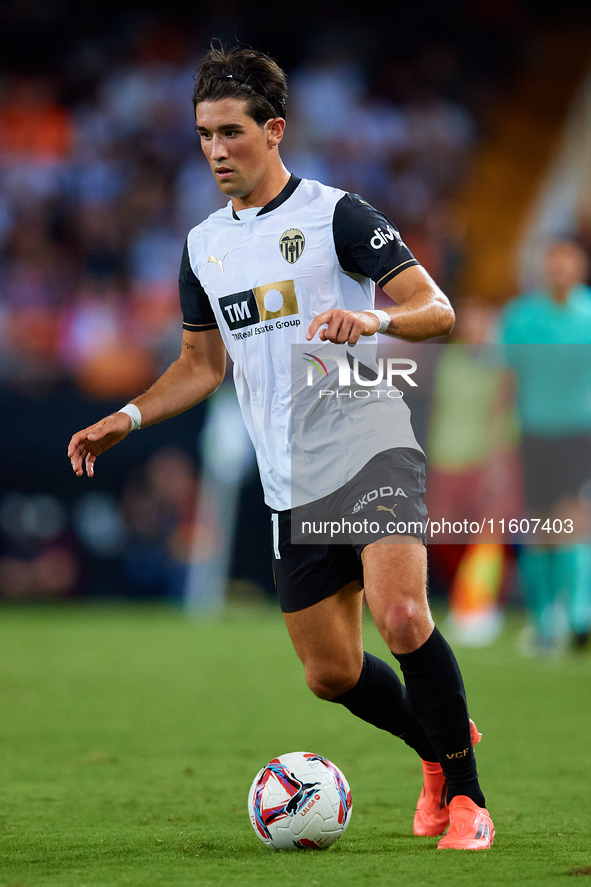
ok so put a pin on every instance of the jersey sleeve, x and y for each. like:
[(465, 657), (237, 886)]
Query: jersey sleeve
[(198, 314), (367, 242)]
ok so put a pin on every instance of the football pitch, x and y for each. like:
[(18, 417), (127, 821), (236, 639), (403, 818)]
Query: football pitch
[(130, 737)]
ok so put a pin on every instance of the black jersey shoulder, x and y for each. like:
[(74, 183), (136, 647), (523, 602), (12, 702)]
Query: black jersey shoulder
[(367, 242), (198, 314)]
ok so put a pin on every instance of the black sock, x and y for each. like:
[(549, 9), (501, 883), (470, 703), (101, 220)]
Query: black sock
[(379, 697), (436, 692)]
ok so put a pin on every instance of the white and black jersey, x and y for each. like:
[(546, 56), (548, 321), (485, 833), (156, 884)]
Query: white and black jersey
[(262, 278)]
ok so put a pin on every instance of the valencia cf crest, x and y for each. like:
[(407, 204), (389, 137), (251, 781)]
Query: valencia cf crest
[(291, 244)]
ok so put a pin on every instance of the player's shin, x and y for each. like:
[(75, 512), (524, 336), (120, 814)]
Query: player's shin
[(380, 698), (436, 693)]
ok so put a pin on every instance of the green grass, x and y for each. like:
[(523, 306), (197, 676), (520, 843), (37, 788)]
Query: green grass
[(129, 738)]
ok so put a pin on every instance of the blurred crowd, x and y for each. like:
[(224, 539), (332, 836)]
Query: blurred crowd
[(101, 178), (97, 193)]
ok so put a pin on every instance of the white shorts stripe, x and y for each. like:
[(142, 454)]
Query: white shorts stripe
[(275, 522)]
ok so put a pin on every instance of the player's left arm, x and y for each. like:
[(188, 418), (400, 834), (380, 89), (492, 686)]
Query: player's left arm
[(367, 243), (422, 311)]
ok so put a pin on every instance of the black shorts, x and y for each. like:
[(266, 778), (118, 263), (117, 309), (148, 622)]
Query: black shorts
[(385, 498), (554, 469)]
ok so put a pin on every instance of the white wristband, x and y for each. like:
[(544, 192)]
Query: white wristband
[(382, 316), (134, 414)]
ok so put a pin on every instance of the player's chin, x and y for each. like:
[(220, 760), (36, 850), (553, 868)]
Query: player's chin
[(226, 188), (232, 187)]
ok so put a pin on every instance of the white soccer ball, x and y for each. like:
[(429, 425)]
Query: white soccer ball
[(299, 801)]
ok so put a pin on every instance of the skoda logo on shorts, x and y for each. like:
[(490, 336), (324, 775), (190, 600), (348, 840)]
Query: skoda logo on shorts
[(291, 244)]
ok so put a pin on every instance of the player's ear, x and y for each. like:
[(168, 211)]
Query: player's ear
[(275, 127)]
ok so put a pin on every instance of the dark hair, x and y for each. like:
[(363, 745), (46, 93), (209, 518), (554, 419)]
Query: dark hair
[(242, 73)]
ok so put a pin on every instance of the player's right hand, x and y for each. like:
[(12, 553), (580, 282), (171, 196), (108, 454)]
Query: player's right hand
[(340, 325), (89, 443)]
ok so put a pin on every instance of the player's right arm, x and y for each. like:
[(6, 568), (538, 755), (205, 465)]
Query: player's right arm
[(194, 376)]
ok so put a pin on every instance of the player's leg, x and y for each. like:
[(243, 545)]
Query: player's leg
[(320, 593), (327, 638), (395, 586), (535, 573), (572, 576)]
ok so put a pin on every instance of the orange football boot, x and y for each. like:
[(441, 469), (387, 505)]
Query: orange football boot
[(470, 826), (432, 813)]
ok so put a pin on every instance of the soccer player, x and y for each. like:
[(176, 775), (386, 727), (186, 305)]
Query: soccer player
[(554, 408), (290, 262)]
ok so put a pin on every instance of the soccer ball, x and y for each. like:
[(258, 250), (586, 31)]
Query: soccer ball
[(299, 801)]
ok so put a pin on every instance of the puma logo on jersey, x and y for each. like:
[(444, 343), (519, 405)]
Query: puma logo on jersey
[(219, 262), (383, 508), (381, 237)]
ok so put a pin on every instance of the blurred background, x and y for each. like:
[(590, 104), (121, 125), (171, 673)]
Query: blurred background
[(468, 123)]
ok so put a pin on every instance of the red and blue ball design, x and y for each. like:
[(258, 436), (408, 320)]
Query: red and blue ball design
[(300, 801)]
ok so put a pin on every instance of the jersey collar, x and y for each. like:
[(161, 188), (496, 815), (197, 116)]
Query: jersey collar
[(283, 195)]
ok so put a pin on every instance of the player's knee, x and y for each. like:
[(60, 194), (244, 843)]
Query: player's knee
[(330, 682), (402, 620), (401, 615)]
